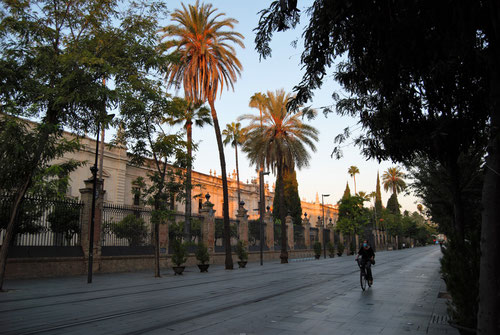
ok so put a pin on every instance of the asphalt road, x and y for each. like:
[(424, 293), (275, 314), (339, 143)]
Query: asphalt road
[(302, 297)]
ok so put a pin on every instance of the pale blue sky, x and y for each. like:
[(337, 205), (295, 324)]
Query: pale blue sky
[(325, 174)]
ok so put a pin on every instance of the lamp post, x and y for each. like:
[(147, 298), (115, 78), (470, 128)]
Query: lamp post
[(94, 169), (323, 205), (262, 205)]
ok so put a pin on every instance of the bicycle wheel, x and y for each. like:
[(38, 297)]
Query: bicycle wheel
[(362, 279)]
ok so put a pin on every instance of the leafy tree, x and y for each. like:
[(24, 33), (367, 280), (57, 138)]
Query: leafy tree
[(393, 204), (353, 217), (131, 228), (54, 56), (187, 114), (440, 99), (353, 171), (347, 192), (235, 135), (292, 199), (280, 143), (65, 220), (146, 111), (205, 65), (378, 198)]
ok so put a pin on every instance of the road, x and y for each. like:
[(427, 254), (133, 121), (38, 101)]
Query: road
[(302, 297)]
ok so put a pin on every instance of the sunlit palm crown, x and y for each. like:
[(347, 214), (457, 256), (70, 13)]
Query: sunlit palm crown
[(207, 59), (393, 179), (233, 134), (283, 134), (353, 170)]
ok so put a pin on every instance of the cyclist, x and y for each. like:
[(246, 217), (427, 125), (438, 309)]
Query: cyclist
[(367, 259)]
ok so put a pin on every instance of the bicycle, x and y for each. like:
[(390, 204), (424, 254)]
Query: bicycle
[(363, 277)]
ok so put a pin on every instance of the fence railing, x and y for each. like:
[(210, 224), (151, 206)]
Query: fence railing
[(126, 226), (42, 221)]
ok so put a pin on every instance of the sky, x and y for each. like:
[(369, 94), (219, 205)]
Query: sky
[(324, 175)]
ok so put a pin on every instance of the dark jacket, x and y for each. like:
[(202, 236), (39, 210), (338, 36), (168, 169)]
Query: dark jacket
[(366, 254)]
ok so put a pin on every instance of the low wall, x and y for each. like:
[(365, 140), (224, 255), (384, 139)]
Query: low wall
[(42, 267)]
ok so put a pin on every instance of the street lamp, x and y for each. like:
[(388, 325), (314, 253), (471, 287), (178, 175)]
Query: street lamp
[(323, 205), (104, 120), (262, 204)]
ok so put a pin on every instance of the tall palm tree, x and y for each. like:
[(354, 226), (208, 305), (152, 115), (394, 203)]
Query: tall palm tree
[(353, 170), (393, 179), (206, 62), (280, 144), (235, 135), (258, 101), (199, 115), (364, 196)]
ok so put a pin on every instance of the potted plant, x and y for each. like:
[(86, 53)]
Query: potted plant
[(179, 256), (331, 249), (242, 253), (340, 249), (203, 257), (317, 249)]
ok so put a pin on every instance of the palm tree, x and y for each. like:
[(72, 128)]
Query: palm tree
[(280, 144), (393, 179), (206, 62), (364, 196), (353, 170), (234, 135), (258, 101), (199, 115)]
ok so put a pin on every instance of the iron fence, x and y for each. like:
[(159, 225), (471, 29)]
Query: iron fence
[(43, 221), (314, 235), (253, 233), (298, 237), (126, 226)]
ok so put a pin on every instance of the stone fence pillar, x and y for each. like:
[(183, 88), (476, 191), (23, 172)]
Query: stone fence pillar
[(86, 196), (307, 231), (321, 238), (332, 234), (289, 231), (208, 226), (269, 233), (243, 223)]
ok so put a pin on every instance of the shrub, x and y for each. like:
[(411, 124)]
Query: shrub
[(241, 251), (317, 248), (202, 253), (179, 255), (340, 248), (131, 228), (65, 220), (331, 249)]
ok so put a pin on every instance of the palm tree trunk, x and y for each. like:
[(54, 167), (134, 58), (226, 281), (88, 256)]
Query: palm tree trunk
[(187, 211), (237, 174), (354, 177), (282, 211), (225, 205)]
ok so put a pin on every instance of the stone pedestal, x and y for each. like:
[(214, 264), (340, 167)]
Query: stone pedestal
[(269, 231), (242, 217), (208, 226), (356, 246), (289, 231), (86, 196), (307, 232)]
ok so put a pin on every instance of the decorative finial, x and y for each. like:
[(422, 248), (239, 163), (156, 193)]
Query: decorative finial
[(207, 196)]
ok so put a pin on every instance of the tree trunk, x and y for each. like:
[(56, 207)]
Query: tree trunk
[(237, 175), (489, 278), (9, 234), (354, 177), (225, 205), (156, 237), (282, 211), (187, 211), (45, 132)]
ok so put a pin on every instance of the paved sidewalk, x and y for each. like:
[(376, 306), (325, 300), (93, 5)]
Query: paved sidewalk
[(302, 297)]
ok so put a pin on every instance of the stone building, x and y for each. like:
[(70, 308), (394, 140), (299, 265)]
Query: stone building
[(118, 175)]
